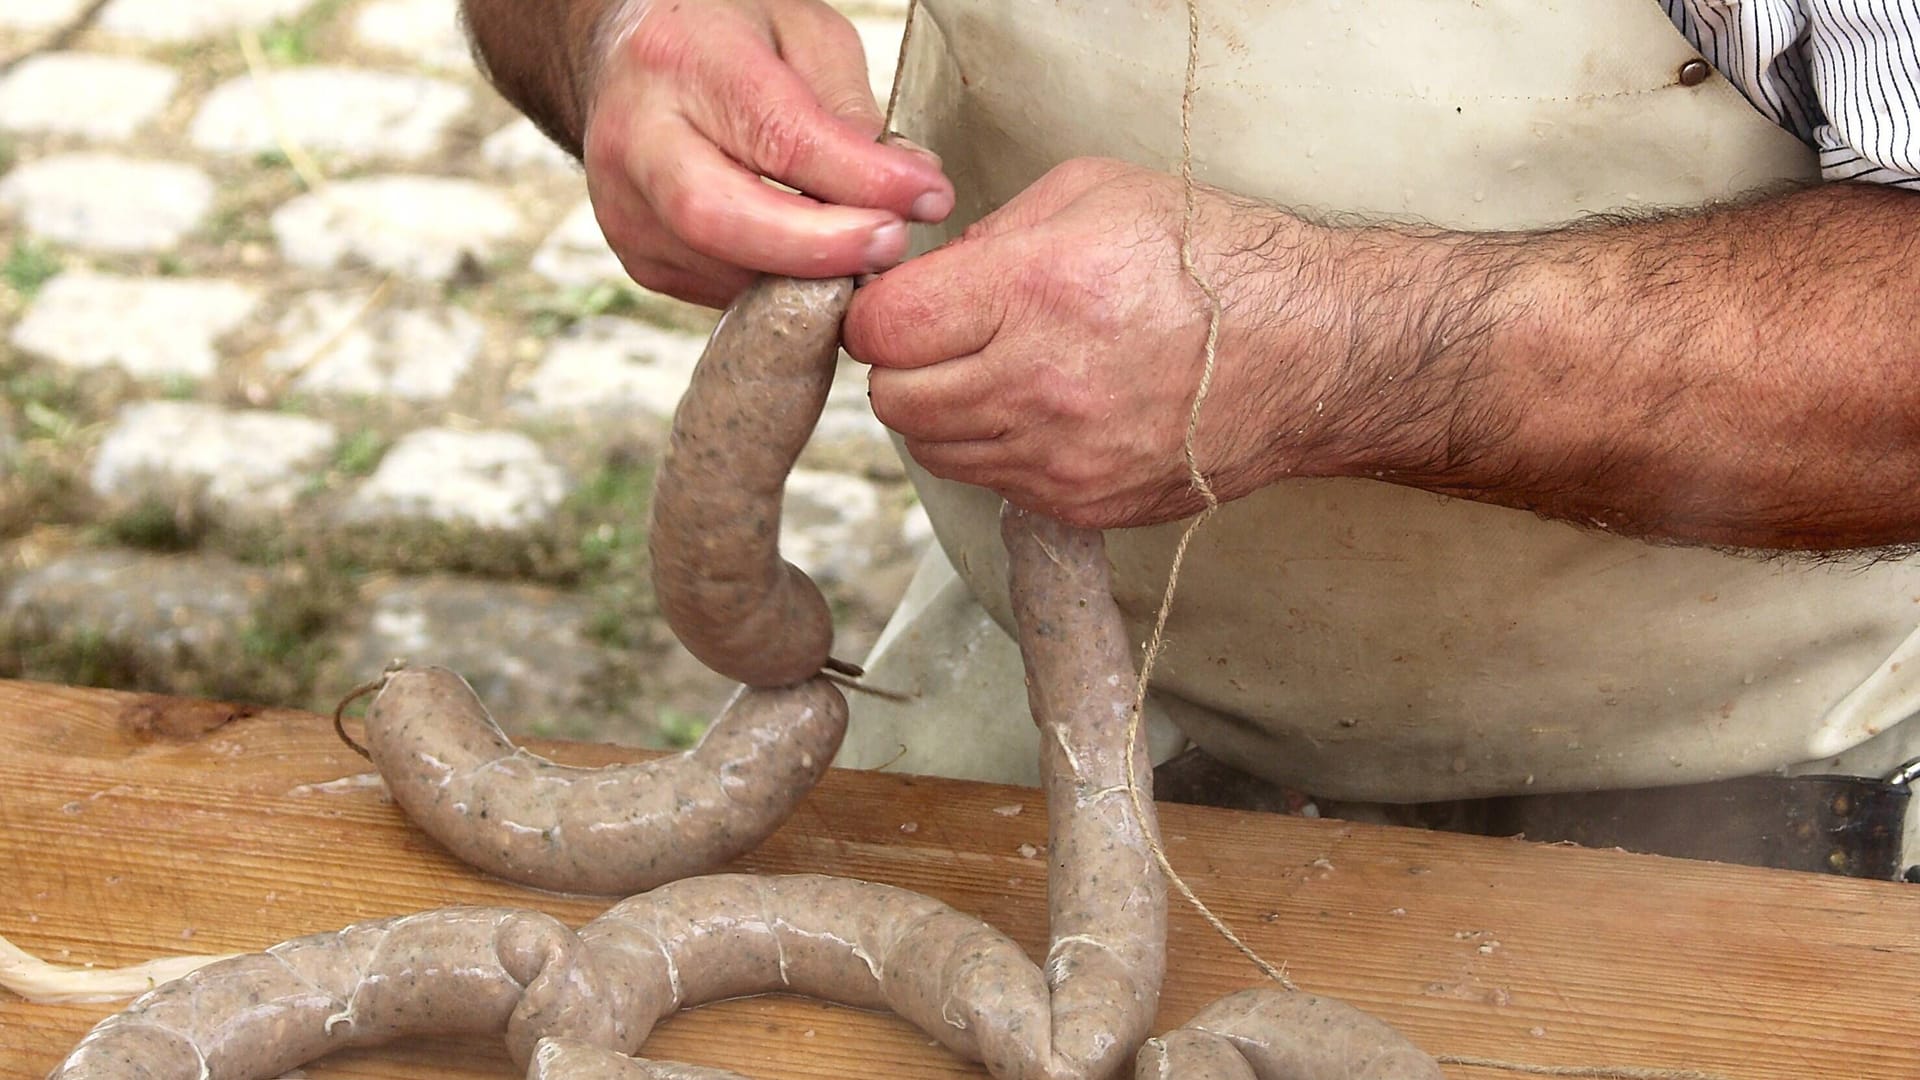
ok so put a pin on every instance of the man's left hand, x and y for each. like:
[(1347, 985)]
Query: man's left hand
[(1052, 353)]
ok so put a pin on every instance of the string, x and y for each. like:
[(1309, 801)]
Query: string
[(1593, 1072), (1198, 481), (1156, 643), (899, 68)]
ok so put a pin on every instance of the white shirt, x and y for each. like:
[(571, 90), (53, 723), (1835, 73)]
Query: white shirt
[(1843, 75)]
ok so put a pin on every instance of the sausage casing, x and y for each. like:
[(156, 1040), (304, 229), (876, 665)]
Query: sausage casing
[(1105, 896), (715, 533), (613, 830)]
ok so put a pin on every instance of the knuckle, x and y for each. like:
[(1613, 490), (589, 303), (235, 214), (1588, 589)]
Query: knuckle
[(883, 329), (604, 147), (938, 464), (1081, 515), (690, 215), (1070, 475), (650, 274), (776, 141), (1084, 172)]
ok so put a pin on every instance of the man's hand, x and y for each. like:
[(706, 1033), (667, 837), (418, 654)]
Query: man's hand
[(1741, 375), (680, 108), (698, 100), (1052, 353)]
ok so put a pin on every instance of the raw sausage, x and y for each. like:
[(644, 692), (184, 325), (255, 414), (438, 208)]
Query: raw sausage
[(614, 830), (1106, 900), (454, 971), (715, 532), (596, 996), (1275, 1034)]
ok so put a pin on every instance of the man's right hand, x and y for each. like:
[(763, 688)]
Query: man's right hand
[(698, 100)]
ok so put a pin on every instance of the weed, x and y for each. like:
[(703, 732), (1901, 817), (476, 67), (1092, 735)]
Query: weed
[(551, 313), (359, 453), (610, 513), (272, 658), (157, 525), (235, 223), (295, 40), (678, 727), (28, 266), (84, 657)]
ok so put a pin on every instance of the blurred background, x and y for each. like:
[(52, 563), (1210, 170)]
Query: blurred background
[(311, 356)]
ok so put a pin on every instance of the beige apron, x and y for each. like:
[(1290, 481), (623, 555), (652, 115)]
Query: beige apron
[(1362, 640)]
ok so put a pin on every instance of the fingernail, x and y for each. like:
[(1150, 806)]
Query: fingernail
[(933, 206), (888, 245), (902, 142)]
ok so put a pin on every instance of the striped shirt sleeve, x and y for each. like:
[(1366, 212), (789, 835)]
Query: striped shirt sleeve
[(1843, 75)]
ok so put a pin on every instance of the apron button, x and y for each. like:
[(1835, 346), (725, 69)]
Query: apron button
[(1695, 72)]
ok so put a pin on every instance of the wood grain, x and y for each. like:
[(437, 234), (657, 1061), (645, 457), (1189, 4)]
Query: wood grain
[(132, 827)]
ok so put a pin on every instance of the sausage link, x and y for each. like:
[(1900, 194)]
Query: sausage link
[(754, 399), (571, 1059), (1288, 1035), (613, 830), (480, 970), (1186, 1054), (852, 942), (1105, 896), (456, 971)]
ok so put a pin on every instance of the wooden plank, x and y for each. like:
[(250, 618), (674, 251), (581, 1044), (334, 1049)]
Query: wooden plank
[(134, 827)]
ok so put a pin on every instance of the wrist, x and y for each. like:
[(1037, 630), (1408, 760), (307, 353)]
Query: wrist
[(1427, 396)]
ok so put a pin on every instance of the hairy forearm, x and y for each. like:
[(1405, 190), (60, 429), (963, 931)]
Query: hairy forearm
[(1746, 376), (539, 54)]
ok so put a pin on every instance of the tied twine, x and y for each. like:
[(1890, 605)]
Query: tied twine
[(1591, 1072), (1197, 479), (899, 68), (1156, 643)]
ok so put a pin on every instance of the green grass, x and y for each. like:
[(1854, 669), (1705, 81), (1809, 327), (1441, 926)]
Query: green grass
[(45, 483), (296, 40), (78, 657), (272, 658), (550, 313), (359, 454), (154, 525), (679, 728), (28, 266)]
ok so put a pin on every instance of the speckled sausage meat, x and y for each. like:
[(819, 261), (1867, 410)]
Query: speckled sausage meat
[(861, 944), (461, 971), (571, 1059), (1106, 899), (596, 996), (614, 830), (1273, 1034), (754, 400), (455, 971), (483, 970)]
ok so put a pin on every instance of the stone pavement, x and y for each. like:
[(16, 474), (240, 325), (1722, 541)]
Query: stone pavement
[(257, 438)]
